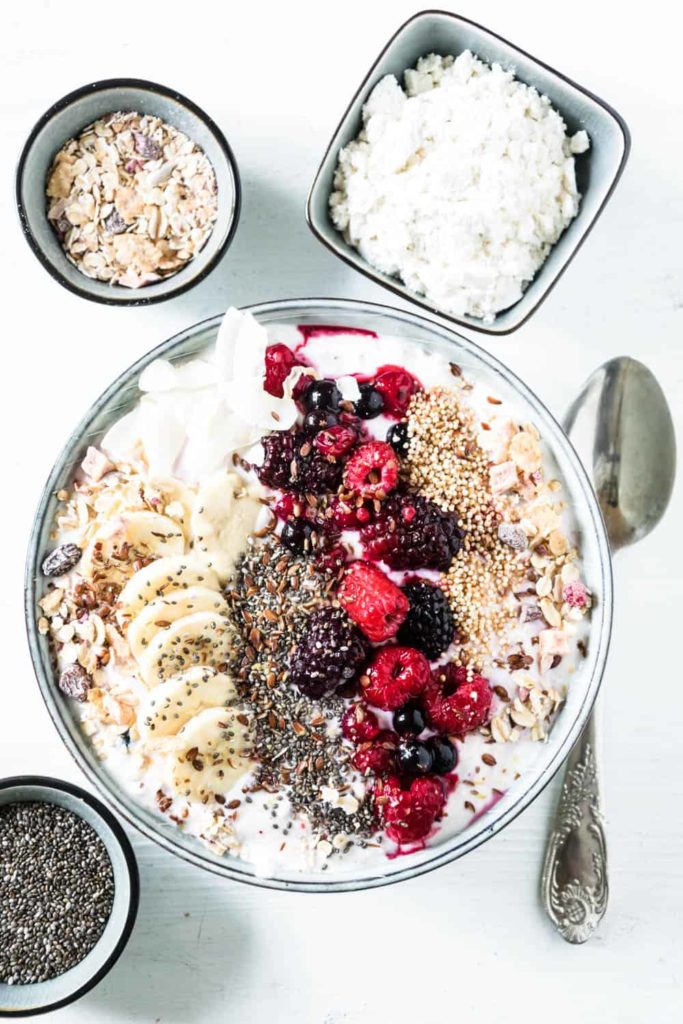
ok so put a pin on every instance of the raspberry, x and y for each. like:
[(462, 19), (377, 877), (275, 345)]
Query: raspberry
[(290, 506), (279, 362), (453, 704), (335, 441), (429, 625), (396, 387), (396, 675), (348, 516), (359, 724), (408, 814), (285, 468), (333, 559), (411, 532), (331, 653), (372, 470), (372, 601), (378, 756)]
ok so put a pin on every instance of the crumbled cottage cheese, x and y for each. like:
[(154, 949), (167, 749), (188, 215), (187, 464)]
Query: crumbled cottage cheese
[(458, 185)]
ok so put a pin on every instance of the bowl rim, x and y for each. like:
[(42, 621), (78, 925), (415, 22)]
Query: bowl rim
[(232, 869), (70, 788), (126, 83), (363, 267)]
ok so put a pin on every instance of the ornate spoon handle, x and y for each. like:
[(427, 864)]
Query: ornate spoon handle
[(574, 880)]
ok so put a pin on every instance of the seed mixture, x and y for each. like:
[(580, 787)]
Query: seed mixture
[(132, 199), (56, 891), (306, 656)]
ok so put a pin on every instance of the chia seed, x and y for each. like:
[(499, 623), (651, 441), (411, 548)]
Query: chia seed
[(56, 891), (295, 738)]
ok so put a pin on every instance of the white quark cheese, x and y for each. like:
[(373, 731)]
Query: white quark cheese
[(459, 185)]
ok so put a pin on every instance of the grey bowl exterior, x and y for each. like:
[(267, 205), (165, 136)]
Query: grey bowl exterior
[(67, 118), (28, 1000), (597, 171), (118, 399)]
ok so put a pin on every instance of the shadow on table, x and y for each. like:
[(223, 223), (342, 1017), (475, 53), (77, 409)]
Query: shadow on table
[(187, 947)]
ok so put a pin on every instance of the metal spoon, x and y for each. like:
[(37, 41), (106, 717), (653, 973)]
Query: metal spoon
[(621, 426)]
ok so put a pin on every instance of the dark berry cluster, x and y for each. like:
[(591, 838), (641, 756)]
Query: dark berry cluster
[(411, 532)]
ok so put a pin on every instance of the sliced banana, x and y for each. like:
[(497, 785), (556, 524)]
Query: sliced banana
[(170, 705), (178, 501), (160, 613), (136, 534), (224, 516), (202, 638), (208, 755), (164, 577)]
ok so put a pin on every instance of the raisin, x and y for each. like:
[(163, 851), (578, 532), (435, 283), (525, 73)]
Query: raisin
[(75, 682), (147, 147), (62, 560), (114, 223)]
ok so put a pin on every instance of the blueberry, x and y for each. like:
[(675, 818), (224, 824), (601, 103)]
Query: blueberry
[(409, 720), (319, 419), (397, 437), (444, 755), (414, 758), (298, 535), (370, 403), (322, 395)]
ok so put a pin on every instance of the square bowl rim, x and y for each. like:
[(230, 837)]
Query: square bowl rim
[(362, 266), (144, 85)]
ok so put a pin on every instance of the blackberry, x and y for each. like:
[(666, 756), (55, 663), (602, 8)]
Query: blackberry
[(285, 468), (397, 437), (411, 532), (331, 653), (429, 625)]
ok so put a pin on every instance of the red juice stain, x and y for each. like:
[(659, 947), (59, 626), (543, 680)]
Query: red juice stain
[(308, 331), (497, 795)]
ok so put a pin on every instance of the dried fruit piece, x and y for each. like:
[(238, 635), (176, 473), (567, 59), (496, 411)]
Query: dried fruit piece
[(62, 560), (373, 601), (396, 675), (114, 223), (75, 682), (147, 147)]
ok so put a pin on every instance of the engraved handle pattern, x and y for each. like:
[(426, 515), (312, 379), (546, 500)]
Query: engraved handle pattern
[(574, 881)]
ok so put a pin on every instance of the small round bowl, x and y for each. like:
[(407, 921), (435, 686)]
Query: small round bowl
[(67, 118), (24, 1000)]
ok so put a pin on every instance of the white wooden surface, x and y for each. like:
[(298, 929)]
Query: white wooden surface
[(468, 942)]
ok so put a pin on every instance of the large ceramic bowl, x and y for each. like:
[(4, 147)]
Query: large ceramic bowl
[(119, 397)]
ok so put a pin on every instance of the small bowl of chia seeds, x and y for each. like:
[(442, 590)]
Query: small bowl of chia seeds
[(69, 893)]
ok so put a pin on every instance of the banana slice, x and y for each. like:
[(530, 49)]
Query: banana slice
[(224, 516), (208, 755), (173, 703), (160, 613), (178, 501), (137, 534), (202, 638), (164, 577)]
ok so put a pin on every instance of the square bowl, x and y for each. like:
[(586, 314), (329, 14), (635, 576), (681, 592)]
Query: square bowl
[(67, 118), (597, 171)]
